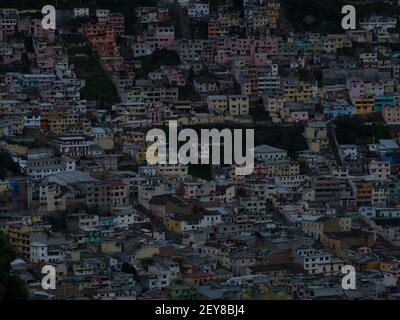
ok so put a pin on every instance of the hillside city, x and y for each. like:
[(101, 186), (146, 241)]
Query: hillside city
[(77, 192)]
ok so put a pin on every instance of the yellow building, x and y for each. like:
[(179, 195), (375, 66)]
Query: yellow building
[(273, 11), (52, 199), (364, 104), (238, 105), (316, 226), (4, 187), (110, 246), (316, 135), (136, 137), (179, 224), (246, 87), (58, 121), (301, 91), (19, 237), (274, 104), (260, 21), (148, 251), (283, 169), (218, 103), (137, 109), (172, 170), (364, 191)]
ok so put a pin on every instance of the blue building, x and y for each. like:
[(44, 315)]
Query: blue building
[(383, 101), (338, 108)]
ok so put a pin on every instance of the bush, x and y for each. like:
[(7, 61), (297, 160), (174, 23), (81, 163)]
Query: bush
[(11, 286), (8, 166)]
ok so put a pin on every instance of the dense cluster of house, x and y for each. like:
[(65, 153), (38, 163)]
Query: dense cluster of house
[(115, 227)]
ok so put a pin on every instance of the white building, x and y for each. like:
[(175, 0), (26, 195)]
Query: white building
[(311, 259), (375, 22), (380, 170), (127, 217), (268, 153), (348, 151), (291, 183), (32, 121), (198, 10), (47, 250), (41, 168), (375, 212), (73, 146)]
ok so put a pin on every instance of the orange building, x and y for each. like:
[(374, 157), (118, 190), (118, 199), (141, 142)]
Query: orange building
[(364, 191), (198, 278), (102, 38)]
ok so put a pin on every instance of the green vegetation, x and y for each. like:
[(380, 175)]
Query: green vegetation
[(355, 51), (215, 3), (288, 137), (156, 60), (273, 296), (129, 269), (325, 16), (58, 223), (377, 8), (314, 15), (188, 92), (8, 166), (23, 68), (74, 39), (198, 29), (310, 75), (11, 286), (79, 21), (128, 168), (247, 294), (202, 171), (29, 143), (355, 130), (98, 86), (259, 113)]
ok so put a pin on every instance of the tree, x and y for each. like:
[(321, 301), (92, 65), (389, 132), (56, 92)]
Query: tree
[(7, 165), (11, 286), (127, 268)]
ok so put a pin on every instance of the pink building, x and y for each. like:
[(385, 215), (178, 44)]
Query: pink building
[(267, 45), (241, 45), (391, 115), (355, 86), (155, 114), (260, 58), (162, 14), (46, 64), (175, 78), (222, 56), (205, 84), (164, 38)]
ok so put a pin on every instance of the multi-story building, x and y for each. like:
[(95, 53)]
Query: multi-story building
[(73, 146)]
